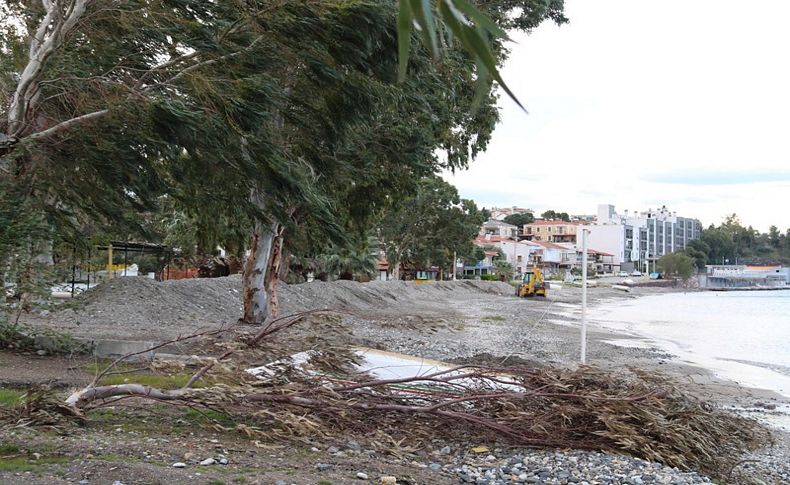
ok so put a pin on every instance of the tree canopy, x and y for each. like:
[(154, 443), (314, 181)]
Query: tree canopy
[(224, 118), (520, 219), (553, 216), (426, 229), (676, 264)]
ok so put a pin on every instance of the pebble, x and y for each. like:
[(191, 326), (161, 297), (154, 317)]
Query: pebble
[(332, 449), (179, 464), (208, 461), (223, 461), (446, 450), (388, 480), (353, 445), (280, 482), (362, 476), (556, 468), (435, 467), (324, 466)]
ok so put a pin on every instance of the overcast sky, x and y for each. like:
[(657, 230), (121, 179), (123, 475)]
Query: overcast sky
[(683, 103)]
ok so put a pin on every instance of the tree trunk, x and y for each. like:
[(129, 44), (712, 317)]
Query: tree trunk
[(257, 282)]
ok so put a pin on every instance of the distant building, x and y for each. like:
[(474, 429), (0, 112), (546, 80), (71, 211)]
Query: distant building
[(742, 276), (638, 240), (493, 227), (520, 254), (551, 231), (499, 213)]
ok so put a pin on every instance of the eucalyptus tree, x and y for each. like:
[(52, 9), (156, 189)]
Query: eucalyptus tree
[(267, 114)]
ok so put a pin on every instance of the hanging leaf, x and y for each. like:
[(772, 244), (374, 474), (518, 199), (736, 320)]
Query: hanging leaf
[(463, 21)]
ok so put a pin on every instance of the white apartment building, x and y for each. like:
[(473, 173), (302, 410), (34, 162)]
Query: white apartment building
[(639, 239)]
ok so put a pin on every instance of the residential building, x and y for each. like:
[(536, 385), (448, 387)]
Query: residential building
[(552, 231), (554, 257), (521, 254), (499, 213), (494, 227), (638, 240)]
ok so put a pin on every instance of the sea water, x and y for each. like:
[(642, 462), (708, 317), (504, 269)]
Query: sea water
[(740, 335)]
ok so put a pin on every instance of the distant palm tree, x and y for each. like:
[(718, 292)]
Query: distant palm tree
[(359, 258)]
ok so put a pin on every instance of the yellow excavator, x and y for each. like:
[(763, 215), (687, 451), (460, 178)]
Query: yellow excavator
[(532, 284)]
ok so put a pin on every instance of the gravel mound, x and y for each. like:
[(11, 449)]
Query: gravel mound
[(132, 307)]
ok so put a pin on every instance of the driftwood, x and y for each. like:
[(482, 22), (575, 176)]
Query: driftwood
[(584, 408)]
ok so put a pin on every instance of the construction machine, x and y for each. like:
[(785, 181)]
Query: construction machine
[(532, 284)]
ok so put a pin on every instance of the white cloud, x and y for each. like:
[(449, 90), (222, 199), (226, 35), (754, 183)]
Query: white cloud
[(632, 89)]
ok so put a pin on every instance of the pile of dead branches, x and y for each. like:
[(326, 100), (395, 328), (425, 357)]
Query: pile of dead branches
[(585, 408)]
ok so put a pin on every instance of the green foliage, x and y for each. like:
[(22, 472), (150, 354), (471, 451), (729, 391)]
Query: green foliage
[(676, 264), (553, 215), (698, 250), (731, 241), (8, 398), (429, 227), (503, 270), (520, 219)]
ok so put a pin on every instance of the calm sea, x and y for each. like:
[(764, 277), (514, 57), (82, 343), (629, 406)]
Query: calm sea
[(743, 336)]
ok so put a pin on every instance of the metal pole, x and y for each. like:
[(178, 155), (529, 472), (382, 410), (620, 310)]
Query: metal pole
[(89, 267), (125, 260), (584, 296), (109, 262), (455, 263), (73, 267)]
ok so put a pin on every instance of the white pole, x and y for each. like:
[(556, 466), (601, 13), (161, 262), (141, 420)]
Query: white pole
[(584, 296), (455, 263)]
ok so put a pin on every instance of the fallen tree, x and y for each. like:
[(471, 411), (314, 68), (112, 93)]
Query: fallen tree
[(585, 408)]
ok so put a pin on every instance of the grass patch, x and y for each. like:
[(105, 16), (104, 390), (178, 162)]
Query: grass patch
[(9, 397), (208, 416), (494, 318), (8, 449), (138, 375), (24, 464)]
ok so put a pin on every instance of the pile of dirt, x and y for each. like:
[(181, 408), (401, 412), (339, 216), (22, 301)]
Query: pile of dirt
[(131, 308)]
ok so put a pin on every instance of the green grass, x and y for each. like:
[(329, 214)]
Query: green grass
[(144, 377), (11, 461), (24, 464), (494, 318), (9, 397), (8, 449), (208, 416)]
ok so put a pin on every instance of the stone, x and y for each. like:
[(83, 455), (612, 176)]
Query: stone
[(446, 450), (189, 456), (314, 449), (324, 466), (332, 449), (435, 467), (353, 445), (42, 353), (490, 458), (386, 480), (280, 482), (223, 461), (179, 464), (362, 475), (208, 461), (83, 482)]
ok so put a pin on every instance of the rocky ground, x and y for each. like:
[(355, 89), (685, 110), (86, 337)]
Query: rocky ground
[(461, 322)]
